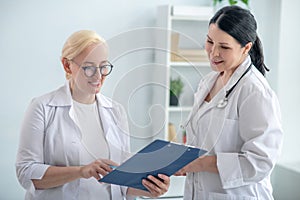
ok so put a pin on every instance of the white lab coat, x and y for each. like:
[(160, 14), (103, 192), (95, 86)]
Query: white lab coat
[(246, 136), (50, 136)]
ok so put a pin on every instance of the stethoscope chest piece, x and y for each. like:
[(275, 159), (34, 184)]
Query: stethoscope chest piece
[(222, 103)]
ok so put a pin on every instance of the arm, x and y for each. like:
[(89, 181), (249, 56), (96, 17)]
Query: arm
[(262, 136), (30, 156), (261, 133), (32, 172), (57, 176)]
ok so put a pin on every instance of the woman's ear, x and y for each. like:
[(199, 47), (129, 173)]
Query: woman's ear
[(66, 64), (248, 47)]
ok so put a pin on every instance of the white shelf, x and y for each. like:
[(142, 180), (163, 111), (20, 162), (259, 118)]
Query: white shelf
[(199, 13), (180, 109), (189, 64), (192, 31), (191, 18)]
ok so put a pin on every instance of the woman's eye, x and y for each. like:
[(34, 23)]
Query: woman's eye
[(223, 47), (209, 41)]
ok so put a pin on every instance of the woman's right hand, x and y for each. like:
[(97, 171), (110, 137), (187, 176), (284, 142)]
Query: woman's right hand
[(100, 166)]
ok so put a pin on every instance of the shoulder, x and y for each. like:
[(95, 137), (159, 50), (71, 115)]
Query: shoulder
[(257, 83), (38, 109), (257, 88), (45, 99)]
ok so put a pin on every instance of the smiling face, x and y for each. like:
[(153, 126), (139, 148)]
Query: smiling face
[(224, 52), (85, 88)]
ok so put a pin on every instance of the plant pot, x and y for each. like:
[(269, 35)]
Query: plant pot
[(173, 100)]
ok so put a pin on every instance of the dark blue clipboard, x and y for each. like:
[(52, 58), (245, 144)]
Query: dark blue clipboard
[(159, 157)]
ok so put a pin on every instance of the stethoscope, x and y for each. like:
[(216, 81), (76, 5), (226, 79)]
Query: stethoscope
[(223, 102)]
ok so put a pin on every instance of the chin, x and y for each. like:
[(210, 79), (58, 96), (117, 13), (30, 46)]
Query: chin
[(216, 69), (97, 90)]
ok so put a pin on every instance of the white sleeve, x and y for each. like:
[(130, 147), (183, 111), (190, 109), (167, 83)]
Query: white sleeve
[(260, 129), (30, 155)]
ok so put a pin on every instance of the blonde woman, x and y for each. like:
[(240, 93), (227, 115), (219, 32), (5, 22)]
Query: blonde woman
[(72, 136)]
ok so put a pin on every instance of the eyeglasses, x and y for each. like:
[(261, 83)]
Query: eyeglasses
[(90, 69)]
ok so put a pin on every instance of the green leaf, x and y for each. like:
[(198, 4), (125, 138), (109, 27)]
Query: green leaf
[(215, 2), (232, 2), (176, 86), (245, 2)]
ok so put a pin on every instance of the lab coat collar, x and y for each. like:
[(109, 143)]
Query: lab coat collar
[(63, 97), (233, 79), (205, 88), (202, 92)]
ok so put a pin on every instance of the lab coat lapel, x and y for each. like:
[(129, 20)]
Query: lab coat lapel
[(201, 94), (105, 113), (199, 97), (110, 129)]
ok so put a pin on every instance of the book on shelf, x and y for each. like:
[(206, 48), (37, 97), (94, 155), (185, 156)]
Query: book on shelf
[(189, 55), (185, 55), (174, 43)]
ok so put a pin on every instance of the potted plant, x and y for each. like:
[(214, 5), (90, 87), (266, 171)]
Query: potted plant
[(176, 86), (232, 2)]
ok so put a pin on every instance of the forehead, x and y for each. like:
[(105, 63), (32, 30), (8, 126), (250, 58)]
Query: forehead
[(94, 53), (220, 36)]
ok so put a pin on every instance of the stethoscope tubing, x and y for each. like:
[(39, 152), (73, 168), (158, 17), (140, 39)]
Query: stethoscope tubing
[(221, 105)]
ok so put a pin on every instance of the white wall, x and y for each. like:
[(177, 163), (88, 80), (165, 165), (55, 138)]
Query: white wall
[(289, 81), (33, 32)]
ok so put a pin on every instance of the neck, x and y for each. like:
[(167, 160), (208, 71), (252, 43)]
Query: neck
[(82, 98), (85, 100), (225, 76)]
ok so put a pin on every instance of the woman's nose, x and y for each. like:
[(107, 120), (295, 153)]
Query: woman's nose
[(98, 73), (214, 51)]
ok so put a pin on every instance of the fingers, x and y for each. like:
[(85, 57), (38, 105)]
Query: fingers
[(155, 186), (102, 167), (109, 162), (181, 172), (97, 168)]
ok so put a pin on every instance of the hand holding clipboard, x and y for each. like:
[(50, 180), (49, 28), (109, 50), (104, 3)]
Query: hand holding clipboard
[(159, 157)]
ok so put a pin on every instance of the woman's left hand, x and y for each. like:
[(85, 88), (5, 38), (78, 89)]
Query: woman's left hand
[(203, 163), (155, 186), (195, 166)]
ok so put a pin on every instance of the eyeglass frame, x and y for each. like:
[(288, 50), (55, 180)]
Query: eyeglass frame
[(99, 67)]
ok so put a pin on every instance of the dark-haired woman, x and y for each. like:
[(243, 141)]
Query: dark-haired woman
[(236, 115)]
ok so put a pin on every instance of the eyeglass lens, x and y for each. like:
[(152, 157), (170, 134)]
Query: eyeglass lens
[(91, 70)]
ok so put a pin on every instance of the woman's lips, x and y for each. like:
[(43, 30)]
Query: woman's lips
[(95, 84), (214, 62)]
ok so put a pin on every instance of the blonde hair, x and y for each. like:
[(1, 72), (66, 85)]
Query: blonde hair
[(79, 41)]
